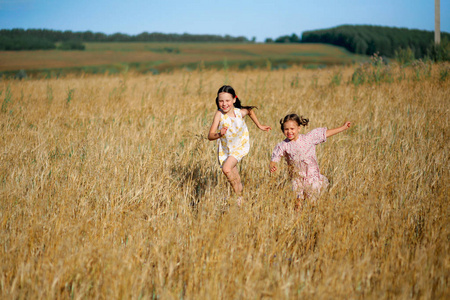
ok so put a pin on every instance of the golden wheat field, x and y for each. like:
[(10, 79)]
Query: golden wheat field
[(110, 189)]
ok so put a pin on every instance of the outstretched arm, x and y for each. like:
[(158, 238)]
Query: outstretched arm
[(213, 134), (334, 131), (252, 116)]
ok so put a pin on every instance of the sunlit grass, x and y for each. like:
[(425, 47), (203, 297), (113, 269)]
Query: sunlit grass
[(110, 189)]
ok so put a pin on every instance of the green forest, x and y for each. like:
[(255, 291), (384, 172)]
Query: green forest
[(385, 41), (35, 39)]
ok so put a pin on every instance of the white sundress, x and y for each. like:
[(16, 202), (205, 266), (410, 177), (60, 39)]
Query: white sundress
[(235, 142)]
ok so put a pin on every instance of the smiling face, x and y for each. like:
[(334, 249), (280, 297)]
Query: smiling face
[(226, 102), (291, 130)]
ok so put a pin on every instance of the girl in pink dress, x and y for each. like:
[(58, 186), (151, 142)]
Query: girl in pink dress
[(299, 151)]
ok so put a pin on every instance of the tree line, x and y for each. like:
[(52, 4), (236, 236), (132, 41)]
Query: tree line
[(359, 39), (367, 39), (33, 39)]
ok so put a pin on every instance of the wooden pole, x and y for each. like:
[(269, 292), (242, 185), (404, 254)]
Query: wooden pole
[(437, 22)]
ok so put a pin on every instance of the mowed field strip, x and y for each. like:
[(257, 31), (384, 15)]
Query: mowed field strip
[(163, 56)]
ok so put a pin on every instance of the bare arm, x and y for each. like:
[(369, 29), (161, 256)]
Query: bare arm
[(334, 131), (252, 116), (213, 134)]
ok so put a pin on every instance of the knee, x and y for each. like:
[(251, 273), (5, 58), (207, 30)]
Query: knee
[(226, 170)]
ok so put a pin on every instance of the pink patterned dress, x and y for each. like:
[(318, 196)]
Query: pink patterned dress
[(301, 158)]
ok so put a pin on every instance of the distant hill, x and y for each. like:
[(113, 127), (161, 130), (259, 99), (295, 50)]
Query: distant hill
[(366, 39), (143, 57), (34, 39)]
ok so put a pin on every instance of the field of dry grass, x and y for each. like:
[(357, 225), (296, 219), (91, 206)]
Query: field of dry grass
[(110, 190)]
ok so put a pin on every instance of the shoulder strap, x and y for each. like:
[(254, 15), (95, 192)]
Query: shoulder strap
[(237, 112)]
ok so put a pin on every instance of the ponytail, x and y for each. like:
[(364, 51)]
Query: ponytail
[(238, 104)]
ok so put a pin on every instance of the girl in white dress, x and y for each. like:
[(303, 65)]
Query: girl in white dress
[(229, 128)]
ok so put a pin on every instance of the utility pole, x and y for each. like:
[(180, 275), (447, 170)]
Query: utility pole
[(437, 22)]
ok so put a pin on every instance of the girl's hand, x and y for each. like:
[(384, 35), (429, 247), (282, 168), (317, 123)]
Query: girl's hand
[(273, 166), (347, 124), (223, 131), (265, 128)]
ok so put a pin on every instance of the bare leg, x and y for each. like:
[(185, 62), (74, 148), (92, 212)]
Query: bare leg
[(299, 205), (237, 180), (231, 172), (301, 198)]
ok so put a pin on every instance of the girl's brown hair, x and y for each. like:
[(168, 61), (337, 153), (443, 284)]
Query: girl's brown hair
[(294, 117)]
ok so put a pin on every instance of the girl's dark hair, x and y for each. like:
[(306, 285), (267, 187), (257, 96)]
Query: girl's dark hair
[(228, 89), (294, 117)]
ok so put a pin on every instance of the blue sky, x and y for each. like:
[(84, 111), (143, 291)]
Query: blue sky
[(249, 18)]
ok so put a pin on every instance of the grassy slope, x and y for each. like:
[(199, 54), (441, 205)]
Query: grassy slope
[(163, 56)]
